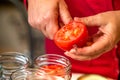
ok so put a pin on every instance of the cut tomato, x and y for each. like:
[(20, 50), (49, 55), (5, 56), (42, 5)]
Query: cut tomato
[(74, 33), (53, 69)]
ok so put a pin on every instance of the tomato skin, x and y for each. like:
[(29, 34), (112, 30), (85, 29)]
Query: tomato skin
[(66, 40)]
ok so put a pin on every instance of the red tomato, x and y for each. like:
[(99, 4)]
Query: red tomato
[(74, 33), (54, 69)]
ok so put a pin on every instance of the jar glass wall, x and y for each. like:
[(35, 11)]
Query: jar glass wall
[(30, 74), (56, 65), (12, 61)]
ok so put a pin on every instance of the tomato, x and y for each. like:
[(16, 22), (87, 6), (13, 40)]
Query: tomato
[(73, 33), (54, 69)]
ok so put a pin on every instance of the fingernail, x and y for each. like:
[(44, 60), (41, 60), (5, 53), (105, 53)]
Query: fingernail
[(66, 53), (76, 19), (51, 37), (73, 50)]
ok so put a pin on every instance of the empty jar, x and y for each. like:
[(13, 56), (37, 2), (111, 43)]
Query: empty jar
[(12, 61), (56, 66)]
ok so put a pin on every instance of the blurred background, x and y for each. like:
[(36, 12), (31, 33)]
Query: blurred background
[(16, 35)]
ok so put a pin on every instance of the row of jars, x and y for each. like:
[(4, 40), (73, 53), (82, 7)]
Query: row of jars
[(15, 66)]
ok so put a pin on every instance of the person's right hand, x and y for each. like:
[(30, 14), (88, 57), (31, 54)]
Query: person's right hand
[(43, 15)]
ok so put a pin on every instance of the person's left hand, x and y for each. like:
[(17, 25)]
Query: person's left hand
[(106, 38)]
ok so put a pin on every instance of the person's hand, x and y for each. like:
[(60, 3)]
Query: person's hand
[(106, 38), (44, 14)]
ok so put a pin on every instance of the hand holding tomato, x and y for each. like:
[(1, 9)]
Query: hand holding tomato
[(43, 15), (70, 35), (106, 38)]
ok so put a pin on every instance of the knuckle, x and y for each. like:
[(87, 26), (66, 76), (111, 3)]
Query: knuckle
[(38, 21), (31, 22), (34, 23)]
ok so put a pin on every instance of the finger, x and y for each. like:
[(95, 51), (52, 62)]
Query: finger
[(42, 28), (52, 28), (64, 12), (72, 55), (95, 20), (102, 45)]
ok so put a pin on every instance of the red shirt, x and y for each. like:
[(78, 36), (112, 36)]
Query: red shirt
[(106, 64)]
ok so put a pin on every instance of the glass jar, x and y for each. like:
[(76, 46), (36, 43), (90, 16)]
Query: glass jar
[(54, 65), (11, 61), (30, 74)]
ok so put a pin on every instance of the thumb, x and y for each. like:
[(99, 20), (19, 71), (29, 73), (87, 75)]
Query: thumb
[(64, 12), (95, 20)]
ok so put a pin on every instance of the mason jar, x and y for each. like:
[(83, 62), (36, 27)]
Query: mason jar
[(57, 66), (12, 61)]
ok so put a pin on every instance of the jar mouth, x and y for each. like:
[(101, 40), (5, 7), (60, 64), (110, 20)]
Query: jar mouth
[(52, 58)]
